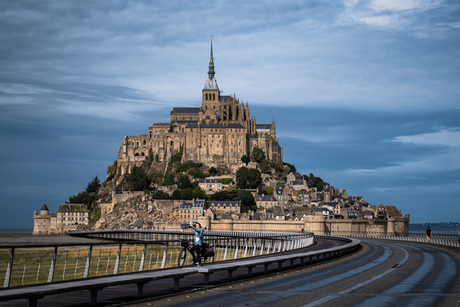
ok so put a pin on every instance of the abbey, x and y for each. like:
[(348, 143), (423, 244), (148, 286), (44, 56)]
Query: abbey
[(218, 133)]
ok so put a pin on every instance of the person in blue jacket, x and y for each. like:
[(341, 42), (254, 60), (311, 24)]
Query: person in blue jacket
[(458, 239), (197, 243)]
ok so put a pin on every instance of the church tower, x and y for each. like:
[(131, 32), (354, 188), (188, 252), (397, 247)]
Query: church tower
[(210, 93)]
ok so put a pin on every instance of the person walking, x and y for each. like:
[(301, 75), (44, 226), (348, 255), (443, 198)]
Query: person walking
[(428, 234), (197, 244), (458, 239)]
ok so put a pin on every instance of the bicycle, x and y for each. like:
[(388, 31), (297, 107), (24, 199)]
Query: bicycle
[(186, 247)]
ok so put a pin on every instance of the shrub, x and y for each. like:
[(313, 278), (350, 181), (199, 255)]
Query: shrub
[(226, 180)]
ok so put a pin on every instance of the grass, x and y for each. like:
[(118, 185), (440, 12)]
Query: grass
[(32, 266)]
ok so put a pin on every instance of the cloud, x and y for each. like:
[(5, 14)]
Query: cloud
[(358, 89), (392, 14), (447, 137)]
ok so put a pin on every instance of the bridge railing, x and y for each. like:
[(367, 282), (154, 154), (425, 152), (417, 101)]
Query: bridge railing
[(439, 239), (35, 264)]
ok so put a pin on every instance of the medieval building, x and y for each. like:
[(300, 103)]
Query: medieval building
[(68, 217), (218, 133)]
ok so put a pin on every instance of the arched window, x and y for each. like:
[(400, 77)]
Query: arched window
[(213, 96), (206, 96)]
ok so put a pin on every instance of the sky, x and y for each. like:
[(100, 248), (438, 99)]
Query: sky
[(365, 94)]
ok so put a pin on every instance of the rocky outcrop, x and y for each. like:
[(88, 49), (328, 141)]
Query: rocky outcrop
[(141, 208)]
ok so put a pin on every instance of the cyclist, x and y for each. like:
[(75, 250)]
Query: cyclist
[(197, 243)]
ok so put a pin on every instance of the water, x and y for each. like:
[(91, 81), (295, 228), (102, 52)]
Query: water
[(15, 231)]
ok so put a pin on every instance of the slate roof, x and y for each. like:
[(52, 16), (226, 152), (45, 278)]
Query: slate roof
[(210, 181), (44, 207), (208, 126), (263, 126), (225, 98), (138, 223), (226, 216), (199, 203), (226, 202), (185, 110), (265, 198), (211, 84), (296, 174)]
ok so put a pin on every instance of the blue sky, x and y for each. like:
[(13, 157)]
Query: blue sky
[(365, 94)]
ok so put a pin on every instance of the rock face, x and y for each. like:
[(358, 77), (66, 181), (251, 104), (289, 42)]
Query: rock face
[(140, 208)]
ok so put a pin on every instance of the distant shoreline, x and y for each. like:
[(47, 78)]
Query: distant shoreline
[(439, 228)]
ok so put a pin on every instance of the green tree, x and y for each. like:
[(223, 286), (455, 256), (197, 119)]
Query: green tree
[(219, 195), (315, 181), (137, 179), (232, 194), (254, 178), (266, 190), (198, 193), (159, 194), (265, 166), (258, 155), (196, 172), (176, 194), (93, 186), (177, 157), (291, 167), (83, 198), (247, 200), (245, 159), (168, 179), (213, 171), (241, 177), (186, 193), (183, 182)]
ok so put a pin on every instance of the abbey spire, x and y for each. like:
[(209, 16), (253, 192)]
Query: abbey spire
[(211, 83), (211, 64)]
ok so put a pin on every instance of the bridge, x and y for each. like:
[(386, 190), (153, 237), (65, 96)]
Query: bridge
[(295, 273)]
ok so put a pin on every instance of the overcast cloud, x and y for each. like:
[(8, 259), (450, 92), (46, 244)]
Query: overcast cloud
[(365, 94)]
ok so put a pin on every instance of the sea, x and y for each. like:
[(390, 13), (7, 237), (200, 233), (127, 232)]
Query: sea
[(15, 231)]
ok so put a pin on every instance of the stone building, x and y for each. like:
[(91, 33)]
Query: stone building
[(218, 133), (69, 216), (225, 206), (190, 211), (210, 186), (265, 201)]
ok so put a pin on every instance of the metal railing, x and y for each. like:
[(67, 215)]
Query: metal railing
[(34, 264), (438, 239)]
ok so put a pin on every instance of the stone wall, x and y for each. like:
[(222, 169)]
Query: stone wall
[(316, 224)]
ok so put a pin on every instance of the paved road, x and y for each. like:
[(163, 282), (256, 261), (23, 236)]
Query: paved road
[(383, 273)]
